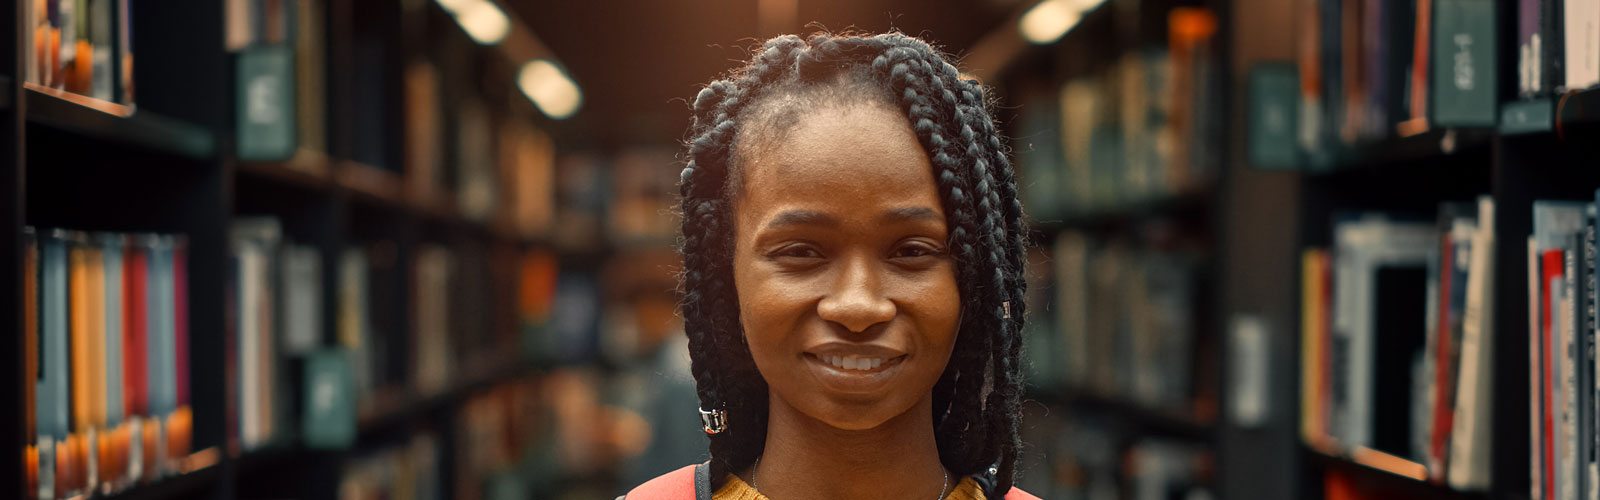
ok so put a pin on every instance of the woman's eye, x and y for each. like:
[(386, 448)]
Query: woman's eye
[(797, 251), (915, 251)]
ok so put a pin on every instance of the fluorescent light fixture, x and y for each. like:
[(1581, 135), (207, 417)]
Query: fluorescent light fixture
[(481, 19), (556, 95), (1051, 19)]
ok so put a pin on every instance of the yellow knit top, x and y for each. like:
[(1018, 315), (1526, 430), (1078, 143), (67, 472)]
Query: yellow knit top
[(737, 489)]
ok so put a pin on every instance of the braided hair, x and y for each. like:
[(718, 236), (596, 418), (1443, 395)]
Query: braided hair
[(975, 401)]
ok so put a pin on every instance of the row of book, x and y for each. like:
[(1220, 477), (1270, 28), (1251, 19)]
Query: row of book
[(1564, 404), (79, 46), (1370, 70), (1143, 131), (462, 152), (409, 327), (1083, 455), (1125, 320), (106, 345), (1558, 46), (1396, 329), (411, 470)]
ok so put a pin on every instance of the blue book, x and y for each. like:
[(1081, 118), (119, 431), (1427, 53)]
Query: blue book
[(52, 389), (160, 320)]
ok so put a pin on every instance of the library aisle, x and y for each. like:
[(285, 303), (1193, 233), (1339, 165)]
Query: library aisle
[(426, 249)]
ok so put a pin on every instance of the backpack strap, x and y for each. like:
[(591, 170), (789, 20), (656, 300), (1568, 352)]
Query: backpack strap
[(691, 482)]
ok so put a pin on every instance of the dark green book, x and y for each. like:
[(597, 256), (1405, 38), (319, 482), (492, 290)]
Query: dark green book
[(328, 418), (1464, 64), (1273, 115), (266, 111)]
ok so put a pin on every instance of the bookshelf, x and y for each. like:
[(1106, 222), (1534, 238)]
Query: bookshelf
[(1535, 150), (1122, 340), (169, 162)]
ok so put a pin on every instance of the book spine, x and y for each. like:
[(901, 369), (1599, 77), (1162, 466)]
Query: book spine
[(1311, 343), (1584, 361), (1553, 268), (1581, 54), (1535, 369), (1468, 465), (180, 325), (1552, 63), (1567, 352), (54, 391), (1528, 56)]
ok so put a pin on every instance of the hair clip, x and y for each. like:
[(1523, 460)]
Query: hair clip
[(714, 421), (1006, 306)]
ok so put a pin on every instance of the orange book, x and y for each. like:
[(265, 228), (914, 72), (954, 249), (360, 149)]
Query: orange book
[(78, 321)]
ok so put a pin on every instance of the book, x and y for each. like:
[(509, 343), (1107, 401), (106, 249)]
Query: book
[(1529, 49), (265, 124), (431, 355), (1380, 277), (1581, 47), (1313, 344), (1464, 88), (1555, 225), (30, 356), (1457, 223), (1470, 442)]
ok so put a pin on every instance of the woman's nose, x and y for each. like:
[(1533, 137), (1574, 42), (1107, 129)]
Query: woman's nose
[(856, 300)]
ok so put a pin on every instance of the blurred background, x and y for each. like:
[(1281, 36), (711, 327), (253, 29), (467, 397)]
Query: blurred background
[(423, 249)]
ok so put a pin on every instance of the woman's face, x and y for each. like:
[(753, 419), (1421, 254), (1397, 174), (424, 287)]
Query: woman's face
[(847, 295)]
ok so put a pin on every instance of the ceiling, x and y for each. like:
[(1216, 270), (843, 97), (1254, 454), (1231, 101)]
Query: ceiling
[(638, 62)]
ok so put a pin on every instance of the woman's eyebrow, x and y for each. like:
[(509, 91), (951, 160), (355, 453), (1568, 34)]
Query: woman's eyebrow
[(801, 218), (910, 214)]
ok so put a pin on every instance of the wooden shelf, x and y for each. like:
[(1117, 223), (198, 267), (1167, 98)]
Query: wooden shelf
[(398, 407), (1181, 206), (1132, 416), (113, 122), (204, 474), (1403, 152), (1388, 473), (306, 170)]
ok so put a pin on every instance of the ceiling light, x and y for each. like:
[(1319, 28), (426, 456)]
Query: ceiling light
[(556, 95), (1050, 19), (484, 22)]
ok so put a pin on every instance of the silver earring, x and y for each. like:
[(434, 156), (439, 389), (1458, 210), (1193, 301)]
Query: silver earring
[(714, 421), (1007, 306)]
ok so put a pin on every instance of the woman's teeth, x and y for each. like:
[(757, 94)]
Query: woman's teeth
[(853, 363)]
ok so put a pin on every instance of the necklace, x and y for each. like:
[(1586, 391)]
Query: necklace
[(942, 486)]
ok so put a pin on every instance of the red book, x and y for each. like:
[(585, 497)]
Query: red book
[(1443, 408), (180, 325), (135, 392), (1554, 264)]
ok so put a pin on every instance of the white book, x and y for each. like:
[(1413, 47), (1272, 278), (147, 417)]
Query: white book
[(250, 288), (1535, 375), (302, 298), (1470, 440), (1581, 20), (1361, 248)]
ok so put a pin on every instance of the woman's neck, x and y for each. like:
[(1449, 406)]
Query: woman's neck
[(807, 458)]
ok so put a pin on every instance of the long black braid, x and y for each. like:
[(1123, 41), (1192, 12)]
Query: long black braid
[(975, 401)]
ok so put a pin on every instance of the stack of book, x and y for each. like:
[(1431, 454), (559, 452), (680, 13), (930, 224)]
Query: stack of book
[(106, 340), (276, 319), (1127, 318), (1396, 329), (79, 46), (412, 470), (1563, 402)]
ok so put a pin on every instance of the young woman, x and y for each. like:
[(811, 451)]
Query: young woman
[(852, 279)]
